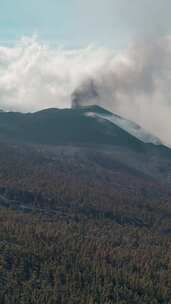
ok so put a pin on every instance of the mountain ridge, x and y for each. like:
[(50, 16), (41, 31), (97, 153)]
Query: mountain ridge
[(59, 126)]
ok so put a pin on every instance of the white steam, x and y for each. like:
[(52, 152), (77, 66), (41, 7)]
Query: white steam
[(34, 76), (135, 83)]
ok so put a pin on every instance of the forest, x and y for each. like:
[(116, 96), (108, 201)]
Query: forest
[(77, 227)]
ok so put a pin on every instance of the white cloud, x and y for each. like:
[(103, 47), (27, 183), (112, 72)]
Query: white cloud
[(34, 76), (135, 83)]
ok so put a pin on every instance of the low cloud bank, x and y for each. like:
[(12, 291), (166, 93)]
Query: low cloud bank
[(135, 83)]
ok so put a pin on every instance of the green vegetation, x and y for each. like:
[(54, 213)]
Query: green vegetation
[(73, 259)]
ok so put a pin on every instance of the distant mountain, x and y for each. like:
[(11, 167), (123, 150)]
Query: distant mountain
[(91, 127), (87, 125)]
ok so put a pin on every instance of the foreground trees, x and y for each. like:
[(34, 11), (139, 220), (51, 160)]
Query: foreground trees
[(50, 260), (81, 230)]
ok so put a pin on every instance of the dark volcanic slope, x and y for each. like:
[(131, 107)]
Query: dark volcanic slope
[(71, 127), (68, 126)]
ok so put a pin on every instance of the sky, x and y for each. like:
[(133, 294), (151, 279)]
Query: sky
[(77, 23), (52, 50)]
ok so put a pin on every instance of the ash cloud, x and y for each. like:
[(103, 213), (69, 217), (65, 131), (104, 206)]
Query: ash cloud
[(135, 83), (86, 94)]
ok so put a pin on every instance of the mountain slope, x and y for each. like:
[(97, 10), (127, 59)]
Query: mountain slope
[(89, 127), (125, 124), (67, 126), (85, 211)]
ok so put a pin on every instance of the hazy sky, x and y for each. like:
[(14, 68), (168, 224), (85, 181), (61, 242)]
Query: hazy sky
[(77, 23)]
